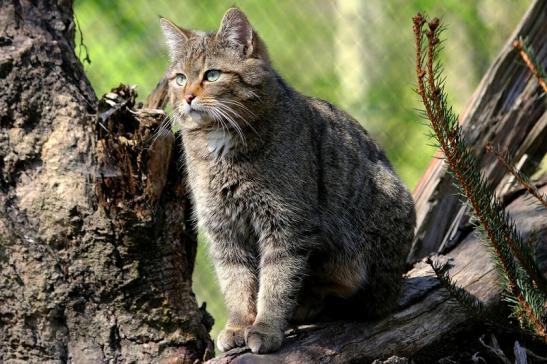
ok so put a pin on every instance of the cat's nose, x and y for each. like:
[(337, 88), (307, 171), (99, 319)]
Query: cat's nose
[(189, 98)]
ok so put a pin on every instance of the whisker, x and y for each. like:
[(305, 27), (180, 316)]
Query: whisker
[(256, 96), (232, 122), (239, 104), (163, 129), (237, 115), (218, 118)]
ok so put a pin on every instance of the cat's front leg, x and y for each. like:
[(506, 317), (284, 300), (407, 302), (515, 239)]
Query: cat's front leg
[(239, 285), (236, 268), (283, 264)]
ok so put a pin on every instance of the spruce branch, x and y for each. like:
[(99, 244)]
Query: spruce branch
[(523, 180), (471, 303), (529, 57), (521, 274)]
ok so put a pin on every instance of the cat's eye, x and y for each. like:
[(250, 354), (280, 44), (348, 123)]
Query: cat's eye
[(180, 79), (211, 75)]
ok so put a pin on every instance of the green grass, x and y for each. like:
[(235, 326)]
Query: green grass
[(206, 287)]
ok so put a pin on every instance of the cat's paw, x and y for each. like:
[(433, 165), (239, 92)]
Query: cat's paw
[(262, 338), (231, 337)]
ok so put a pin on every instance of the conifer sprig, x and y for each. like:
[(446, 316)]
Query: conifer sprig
[(529, 57), (472, 305), (523, 180), (514, 259)]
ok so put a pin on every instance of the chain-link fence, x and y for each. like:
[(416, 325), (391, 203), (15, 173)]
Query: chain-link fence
[(357, 54)]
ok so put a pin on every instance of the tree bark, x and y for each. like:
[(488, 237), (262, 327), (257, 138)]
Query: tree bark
[(96, 248)]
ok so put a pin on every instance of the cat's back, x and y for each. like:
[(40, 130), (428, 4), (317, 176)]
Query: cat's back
[(342, 144), (340, 133), (354, 171)]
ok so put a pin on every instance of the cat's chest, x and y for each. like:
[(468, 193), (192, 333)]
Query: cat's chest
[(223, 186), (232, 184), (220, 185), (224, 199), (219, 143)]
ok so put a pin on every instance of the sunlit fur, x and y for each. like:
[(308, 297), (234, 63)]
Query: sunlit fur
[(301, 208)]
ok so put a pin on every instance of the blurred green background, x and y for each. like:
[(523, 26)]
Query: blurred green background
[(357, 54)]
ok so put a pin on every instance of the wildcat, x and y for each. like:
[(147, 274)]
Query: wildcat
[(301, 208)]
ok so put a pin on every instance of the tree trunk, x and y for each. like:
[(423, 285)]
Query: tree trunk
[(86, 279)]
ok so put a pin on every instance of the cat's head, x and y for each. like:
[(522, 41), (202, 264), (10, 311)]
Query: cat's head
[(217, 79)]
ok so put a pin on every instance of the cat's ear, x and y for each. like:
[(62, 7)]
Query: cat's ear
[(235, 28), (175, 36)]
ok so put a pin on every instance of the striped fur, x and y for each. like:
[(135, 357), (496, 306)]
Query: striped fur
[(301, 208)]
